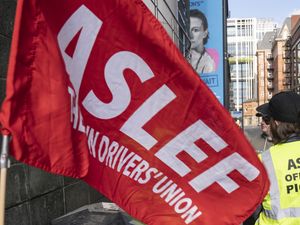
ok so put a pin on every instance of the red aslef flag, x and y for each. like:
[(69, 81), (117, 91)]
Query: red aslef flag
[(97, 90)]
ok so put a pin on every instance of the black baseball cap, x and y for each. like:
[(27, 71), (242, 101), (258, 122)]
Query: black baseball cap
[(262, 110), (284, 107)]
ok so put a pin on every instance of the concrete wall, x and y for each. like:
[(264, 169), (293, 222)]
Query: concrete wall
[(33, 196), (7, 9)]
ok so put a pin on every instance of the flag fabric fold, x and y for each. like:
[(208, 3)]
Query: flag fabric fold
[(98, 90)]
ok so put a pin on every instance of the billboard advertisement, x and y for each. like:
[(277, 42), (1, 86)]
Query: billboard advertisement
[(206, 35)]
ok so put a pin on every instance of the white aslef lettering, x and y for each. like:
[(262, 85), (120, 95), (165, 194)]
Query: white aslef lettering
[(219, 174), (133, 126), (117, 84), (85, 22), (185, 142)]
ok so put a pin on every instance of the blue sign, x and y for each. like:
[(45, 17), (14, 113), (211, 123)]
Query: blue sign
[(206, 34), (236, 114)]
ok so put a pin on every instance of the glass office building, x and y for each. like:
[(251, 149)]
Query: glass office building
[(242, 37)]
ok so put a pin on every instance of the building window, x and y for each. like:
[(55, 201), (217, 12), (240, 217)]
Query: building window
[(231, 32)]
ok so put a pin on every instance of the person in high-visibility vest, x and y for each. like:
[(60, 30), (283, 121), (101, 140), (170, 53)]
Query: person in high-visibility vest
[(282, 162), (264, 126), (262, 112)]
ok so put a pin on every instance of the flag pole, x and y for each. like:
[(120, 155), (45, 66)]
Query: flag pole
[(4, 165)]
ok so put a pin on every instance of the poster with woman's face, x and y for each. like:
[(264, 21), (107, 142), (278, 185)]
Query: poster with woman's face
[(206, 35)]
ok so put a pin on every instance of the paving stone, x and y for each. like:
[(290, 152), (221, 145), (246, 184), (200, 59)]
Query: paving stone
[(253, 134)]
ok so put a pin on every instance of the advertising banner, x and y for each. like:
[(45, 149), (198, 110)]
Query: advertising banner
[(207, 48)]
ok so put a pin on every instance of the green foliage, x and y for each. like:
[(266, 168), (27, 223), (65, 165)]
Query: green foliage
[(232, 60)]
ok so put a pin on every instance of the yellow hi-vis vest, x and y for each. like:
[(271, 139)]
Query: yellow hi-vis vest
[(282, 204)]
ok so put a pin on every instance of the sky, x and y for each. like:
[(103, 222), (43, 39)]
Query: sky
[(276, 9)]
